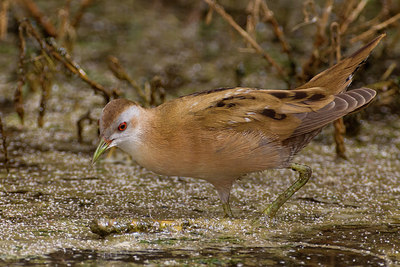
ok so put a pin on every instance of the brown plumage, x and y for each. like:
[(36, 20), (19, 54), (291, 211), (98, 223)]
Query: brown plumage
[(222, 134)]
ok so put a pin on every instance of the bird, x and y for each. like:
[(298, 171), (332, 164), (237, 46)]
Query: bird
[(223, 134)]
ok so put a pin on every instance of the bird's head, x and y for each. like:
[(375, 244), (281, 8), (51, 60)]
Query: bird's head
[(119, 125)]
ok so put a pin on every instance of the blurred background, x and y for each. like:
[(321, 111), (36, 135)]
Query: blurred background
[(178, 47), (62, 61)]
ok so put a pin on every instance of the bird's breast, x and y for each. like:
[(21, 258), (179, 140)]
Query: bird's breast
[(208, 154)]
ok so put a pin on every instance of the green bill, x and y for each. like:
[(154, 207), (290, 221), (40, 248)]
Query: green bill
[(101, 148)]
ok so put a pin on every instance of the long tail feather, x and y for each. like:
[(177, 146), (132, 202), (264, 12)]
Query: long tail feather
[(338, 77)]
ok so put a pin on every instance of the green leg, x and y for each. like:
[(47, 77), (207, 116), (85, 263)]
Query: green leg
[(304, 175), (224, 191), (227, 210)]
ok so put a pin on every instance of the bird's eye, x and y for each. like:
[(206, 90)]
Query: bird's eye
[(122, 126)]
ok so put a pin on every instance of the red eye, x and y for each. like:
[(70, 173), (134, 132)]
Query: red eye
[(122, 126)]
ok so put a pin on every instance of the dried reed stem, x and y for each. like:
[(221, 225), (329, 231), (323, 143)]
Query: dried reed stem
[(386, 6), (220, 10), (346, 8), (323, 22), (269, 16), (121, 74), (209, 16), (340, 128), (64, 24), (340, 131), (250, 26), (5, 4), (78, 17), (50, 49), (45, 85), (314, 61), (353, 15), (307, 15), (157, 96), (18, 98), (375, 28), (256, 11), (79, 123), (309, 4), (41, 19), (4, 144), (253, 18), (61, 55), (335, 43), (388, 71)]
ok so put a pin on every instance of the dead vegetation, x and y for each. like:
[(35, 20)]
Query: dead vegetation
[(45, 47), (42, 66), (4, 145), (327, 43)]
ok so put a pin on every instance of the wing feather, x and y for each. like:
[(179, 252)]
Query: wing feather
[(343, 104), (279, 114)]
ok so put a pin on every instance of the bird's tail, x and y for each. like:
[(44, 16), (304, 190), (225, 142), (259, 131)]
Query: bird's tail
[(338, 77)]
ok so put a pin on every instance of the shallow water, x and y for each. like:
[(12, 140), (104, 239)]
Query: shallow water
[(348, 214)]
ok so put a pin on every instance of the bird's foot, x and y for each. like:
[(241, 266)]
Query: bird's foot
[(227, 210), (304, 175)]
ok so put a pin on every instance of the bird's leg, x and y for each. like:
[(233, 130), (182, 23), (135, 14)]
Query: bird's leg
[(224, 193), (304, 175), (227, 210)]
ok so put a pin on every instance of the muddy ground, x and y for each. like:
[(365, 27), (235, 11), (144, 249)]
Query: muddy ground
[(348, 213)]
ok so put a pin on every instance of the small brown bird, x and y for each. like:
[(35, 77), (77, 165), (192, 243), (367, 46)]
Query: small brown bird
[(223, 134)]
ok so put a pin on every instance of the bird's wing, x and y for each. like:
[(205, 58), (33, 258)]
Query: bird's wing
[(279, 114), (342, 104)]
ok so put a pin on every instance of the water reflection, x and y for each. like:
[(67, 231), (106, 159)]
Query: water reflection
[(299, 255)]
